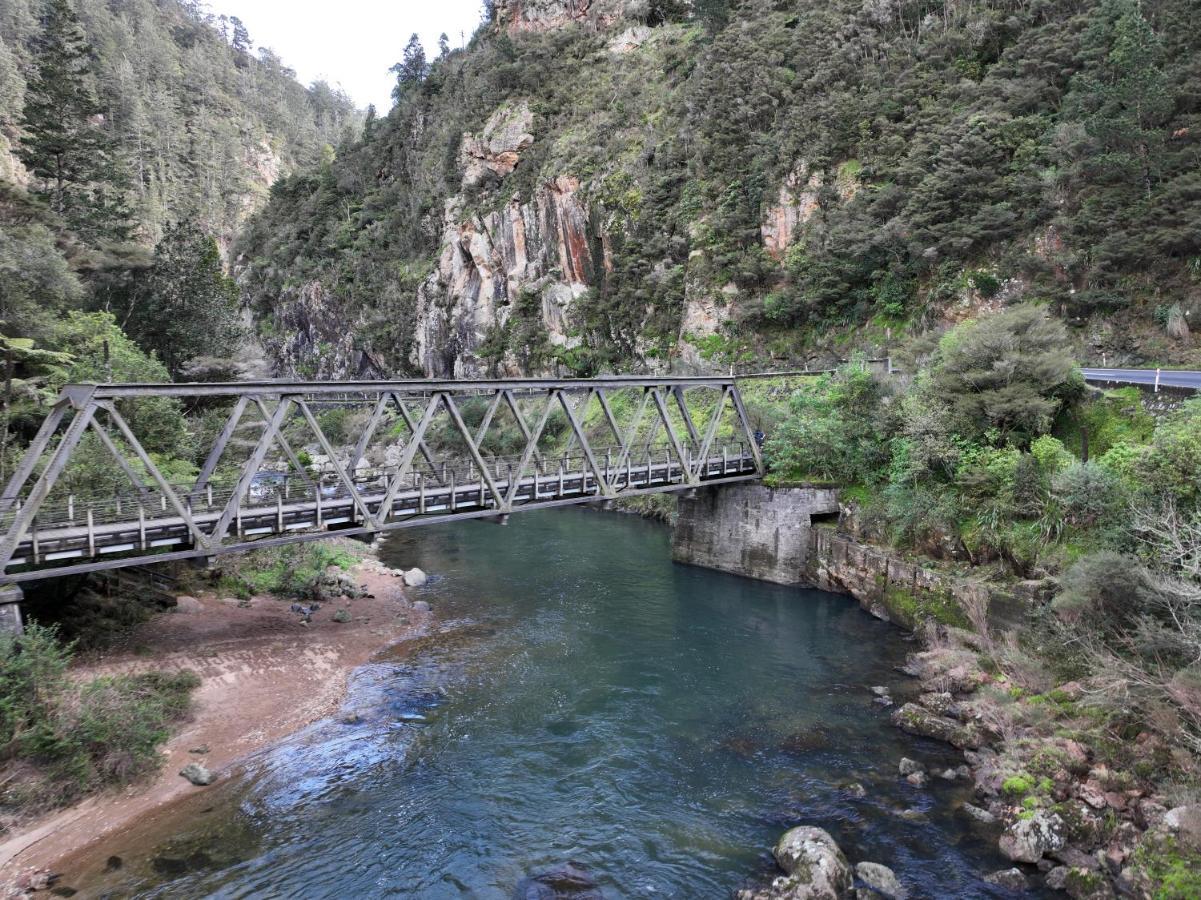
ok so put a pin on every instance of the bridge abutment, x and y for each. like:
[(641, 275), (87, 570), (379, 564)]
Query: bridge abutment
[(750, 529), (11, 596)]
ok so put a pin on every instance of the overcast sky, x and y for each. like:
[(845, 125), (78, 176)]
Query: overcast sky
[(351, 43)]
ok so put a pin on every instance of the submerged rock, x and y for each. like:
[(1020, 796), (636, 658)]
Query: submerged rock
[(567, 882), (882, 880), (981, 815), (197, 774)]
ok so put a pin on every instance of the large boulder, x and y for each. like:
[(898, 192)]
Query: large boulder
[(816, 869), (414, 577), (1184, 822), (925, 723), (1029, 840)]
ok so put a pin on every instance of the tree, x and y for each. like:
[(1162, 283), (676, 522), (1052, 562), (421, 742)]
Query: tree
[(412, 68), (443, 46), (186, 306), (241, 40), (63, 145), (1008, 373)]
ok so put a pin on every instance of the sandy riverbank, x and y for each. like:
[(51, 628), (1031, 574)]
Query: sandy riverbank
[(263, 677)]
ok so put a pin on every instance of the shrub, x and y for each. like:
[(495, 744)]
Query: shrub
[(1051, 455), (836, 430), (78, 737), (1008, 374), (1172, 465), (1088, 494)]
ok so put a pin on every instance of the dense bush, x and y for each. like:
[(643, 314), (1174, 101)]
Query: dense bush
[(836, 430), (60, 738)]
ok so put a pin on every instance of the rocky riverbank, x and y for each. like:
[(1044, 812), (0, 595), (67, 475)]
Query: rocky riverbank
[(267, 666), (1062, 812)]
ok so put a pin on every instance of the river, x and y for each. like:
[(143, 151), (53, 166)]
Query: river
[(585, 702)]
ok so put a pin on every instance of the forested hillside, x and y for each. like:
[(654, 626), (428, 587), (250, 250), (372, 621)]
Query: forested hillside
[(607, 184), (135, 139)]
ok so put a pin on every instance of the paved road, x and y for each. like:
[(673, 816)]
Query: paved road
[(1167, 377)]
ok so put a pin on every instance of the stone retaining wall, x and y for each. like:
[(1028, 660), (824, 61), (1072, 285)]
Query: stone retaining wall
[(904, 592), (751, 530)]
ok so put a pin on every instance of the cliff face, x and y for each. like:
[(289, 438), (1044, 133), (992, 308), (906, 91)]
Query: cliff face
[(541, 247), (516, 16)]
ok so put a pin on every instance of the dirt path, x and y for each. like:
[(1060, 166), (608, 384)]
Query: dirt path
[(263, 676)]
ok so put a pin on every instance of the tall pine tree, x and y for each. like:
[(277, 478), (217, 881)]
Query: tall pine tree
[(65, 145), (187, 307)]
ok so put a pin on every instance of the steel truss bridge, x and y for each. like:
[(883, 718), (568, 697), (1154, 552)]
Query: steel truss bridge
[(91, 493)]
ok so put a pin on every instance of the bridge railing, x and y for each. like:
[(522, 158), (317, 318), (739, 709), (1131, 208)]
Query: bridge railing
[(407, 437)]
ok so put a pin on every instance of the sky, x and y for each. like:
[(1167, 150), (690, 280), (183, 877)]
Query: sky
[(351, 43)]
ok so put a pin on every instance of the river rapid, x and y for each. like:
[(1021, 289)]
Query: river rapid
[(586, 712)]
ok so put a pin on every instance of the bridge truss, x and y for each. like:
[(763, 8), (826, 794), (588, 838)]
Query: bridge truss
[(296, 461)]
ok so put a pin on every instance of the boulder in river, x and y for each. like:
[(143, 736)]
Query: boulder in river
[(414, 577), (882, 880), (197, 774), (909, 766), (1029, 840), (569, 881), (1011, 879), (925, 723), (981, 815), (815, 868)]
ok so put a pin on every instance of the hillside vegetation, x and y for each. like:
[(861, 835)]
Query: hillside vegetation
[(771, 174)]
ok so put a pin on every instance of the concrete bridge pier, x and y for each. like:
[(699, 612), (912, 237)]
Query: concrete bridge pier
[(11, 596), (752, 530)]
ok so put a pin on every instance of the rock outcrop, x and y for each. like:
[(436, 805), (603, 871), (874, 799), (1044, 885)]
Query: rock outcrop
[(516, 16), (542, 249)]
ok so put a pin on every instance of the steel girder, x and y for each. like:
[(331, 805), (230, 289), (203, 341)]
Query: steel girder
[(436, 466)]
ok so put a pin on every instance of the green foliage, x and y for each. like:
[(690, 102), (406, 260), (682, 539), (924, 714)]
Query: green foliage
[(1173, 868), (79, 737), (293, 571), (1171, 467), (186, 306), (1007, 374), (837, 430)]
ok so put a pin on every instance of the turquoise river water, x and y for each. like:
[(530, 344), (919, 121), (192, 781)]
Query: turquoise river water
[(588, 717)]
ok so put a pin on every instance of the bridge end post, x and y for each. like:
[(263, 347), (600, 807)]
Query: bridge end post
[(11, 596)]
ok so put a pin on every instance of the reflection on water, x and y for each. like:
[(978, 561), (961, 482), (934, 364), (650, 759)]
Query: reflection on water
[(592, 720)]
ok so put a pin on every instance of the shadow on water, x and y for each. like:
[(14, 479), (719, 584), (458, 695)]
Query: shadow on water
[(590, 720)]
